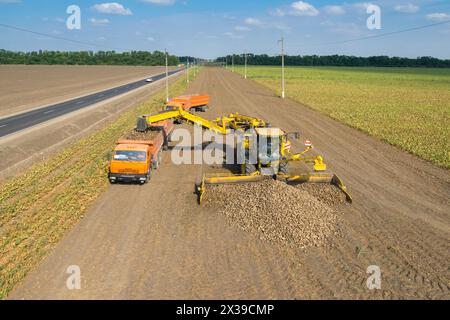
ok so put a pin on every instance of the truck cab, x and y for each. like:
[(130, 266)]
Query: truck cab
[(131, 162)]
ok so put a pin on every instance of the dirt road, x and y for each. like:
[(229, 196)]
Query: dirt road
[(24, 87), (154, 242)]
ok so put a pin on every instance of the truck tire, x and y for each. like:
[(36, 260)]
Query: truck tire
[(149, 176), (158, 160)]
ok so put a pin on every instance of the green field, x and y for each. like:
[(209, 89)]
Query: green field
[(406, 107)]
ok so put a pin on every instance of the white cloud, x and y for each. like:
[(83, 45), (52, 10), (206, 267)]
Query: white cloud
[(406, 8), (98, 22), (160, 2), (334, 10), (242, 28), (343, 28), (301, 8), (282, 27), (233, 36), (253, 22), (278, 12), (438, 16), (150, 39), (362, 5), (112, 8)]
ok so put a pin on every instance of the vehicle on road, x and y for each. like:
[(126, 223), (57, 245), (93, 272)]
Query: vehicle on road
[(138, 154), (149, 80)]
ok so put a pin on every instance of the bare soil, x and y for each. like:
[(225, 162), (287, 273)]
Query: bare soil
[(155, 242), (24, 87)]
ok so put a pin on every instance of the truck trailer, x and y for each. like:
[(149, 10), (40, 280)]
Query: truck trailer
[(194, 102), (138, 154)]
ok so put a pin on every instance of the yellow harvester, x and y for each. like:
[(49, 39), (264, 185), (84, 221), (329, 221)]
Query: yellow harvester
[(271, 159)]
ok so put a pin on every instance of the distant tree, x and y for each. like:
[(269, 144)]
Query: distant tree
[(133, 58), (337, 60)]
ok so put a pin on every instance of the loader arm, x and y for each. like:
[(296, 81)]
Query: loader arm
[(145, 121)]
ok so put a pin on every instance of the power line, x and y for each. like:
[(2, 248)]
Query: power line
[(60, 38), (379, 35)]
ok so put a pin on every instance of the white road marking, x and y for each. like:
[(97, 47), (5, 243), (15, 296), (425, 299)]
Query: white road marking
[(3, 125), (49, 111), (80, 102)]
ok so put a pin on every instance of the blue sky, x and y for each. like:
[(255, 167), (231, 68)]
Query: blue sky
[(214, 28)]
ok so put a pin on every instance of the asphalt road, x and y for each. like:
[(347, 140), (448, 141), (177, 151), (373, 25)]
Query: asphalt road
[(25, 120)]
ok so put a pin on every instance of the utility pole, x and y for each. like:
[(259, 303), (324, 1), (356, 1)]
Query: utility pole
[(245, 65), (283, 95), (232, 63), (167, 77), (187, 70)]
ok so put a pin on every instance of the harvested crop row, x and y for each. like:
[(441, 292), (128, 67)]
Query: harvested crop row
[(276, 212)]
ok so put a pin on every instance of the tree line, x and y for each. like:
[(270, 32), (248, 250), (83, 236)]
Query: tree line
[(336, 60), (133, 58)]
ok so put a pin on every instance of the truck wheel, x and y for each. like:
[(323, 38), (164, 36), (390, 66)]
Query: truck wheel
[(159, 158), (157, 161), (283, 169), (149, 176)]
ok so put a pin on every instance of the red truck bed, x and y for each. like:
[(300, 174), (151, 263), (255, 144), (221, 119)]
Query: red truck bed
[(155, 137)]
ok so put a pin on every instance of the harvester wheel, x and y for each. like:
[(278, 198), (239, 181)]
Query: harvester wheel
[(283, 169), (250, 169)]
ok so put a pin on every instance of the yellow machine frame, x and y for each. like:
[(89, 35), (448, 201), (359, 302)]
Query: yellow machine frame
[(235, 121)]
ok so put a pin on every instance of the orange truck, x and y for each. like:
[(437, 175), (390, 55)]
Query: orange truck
[(194, 102), (138, 154)]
